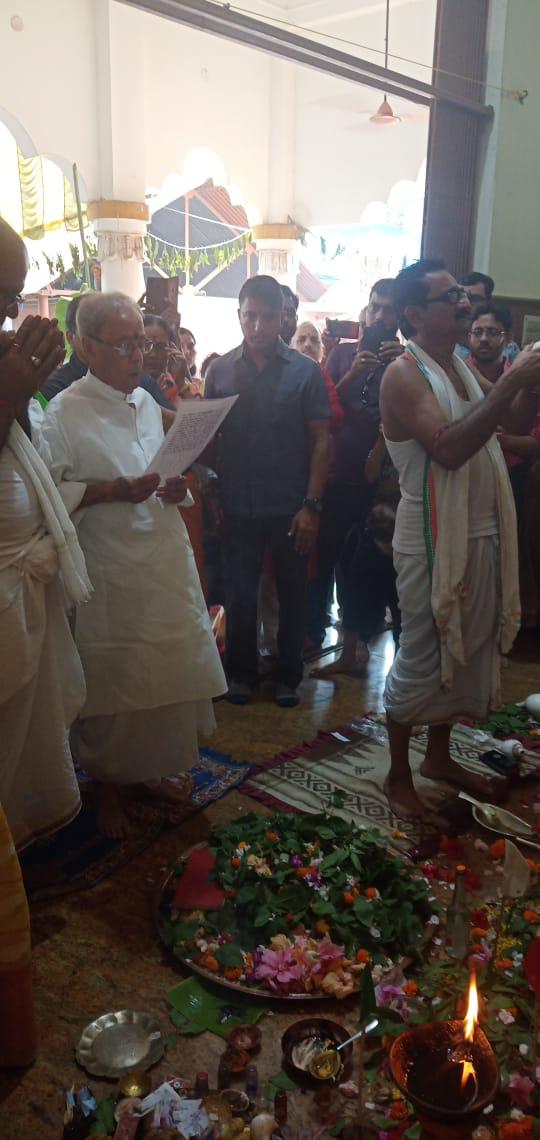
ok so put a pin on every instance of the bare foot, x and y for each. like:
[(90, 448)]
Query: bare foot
[(171, 790), (347, 664), (403, 799), (444, 768), (112, 820)]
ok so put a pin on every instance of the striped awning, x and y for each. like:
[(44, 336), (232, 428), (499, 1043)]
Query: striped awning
[(35, 195)]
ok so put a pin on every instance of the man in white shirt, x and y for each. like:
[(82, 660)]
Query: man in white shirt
[(150, 660), (41, 571)]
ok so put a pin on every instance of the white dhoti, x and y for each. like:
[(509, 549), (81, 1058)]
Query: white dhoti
[(41, 679), (414, 691), (135, 747)]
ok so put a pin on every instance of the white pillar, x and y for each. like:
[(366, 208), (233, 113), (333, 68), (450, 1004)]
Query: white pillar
[(120, 215), (281, 141)]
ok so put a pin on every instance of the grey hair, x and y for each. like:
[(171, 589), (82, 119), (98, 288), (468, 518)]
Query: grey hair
[(95, 309)]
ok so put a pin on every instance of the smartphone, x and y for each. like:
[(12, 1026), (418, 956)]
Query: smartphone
[(375, 335), (161, 293), (345, 330)]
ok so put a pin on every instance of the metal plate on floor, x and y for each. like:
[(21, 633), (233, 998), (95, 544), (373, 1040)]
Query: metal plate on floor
[(117, 1042)]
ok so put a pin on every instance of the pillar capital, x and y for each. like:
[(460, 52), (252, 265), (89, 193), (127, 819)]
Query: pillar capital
[(277, 249), (113, 208), (120, 228)]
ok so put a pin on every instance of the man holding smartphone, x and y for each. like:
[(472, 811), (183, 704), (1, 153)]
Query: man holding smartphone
[(356, 369)]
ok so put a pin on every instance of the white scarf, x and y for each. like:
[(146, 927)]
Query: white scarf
[(446, 514), (57, 521)]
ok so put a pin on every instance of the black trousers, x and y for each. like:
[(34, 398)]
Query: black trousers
[(370, 588), (344, 506), (245, 541)]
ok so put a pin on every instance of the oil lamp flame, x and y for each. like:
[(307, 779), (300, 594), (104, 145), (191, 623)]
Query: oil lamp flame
[(471, 1017), (467, 1073)]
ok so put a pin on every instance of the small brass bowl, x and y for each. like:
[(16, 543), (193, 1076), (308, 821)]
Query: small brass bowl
[(305, 1039)]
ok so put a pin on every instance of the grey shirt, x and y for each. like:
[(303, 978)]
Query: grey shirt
[(264, 448)]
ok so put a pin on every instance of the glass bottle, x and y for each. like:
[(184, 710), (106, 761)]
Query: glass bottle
[(280, 1107), (457, 919)]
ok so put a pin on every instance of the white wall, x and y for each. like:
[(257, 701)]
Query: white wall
[(343, 160), (48, 79), (514, 254), (201, 91)]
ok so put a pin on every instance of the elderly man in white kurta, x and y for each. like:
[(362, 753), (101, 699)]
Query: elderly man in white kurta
[(41, 572), (145, 640)]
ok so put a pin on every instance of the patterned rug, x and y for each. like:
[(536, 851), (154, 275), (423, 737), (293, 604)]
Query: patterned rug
[(77, 857), (354, 762)]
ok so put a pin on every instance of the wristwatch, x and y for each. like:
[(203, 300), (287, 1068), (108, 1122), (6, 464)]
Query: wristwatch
[(314, 505)]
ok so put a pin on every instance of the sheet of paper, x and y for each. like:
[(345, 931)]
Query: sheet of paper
[(197, 421)]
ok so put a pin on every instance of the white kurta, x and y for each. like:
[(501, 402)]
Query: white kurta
[(145, 637), (41, 680)]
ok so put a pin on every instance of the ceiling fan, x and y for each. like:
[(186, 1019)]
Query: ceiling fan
[(385, 115)]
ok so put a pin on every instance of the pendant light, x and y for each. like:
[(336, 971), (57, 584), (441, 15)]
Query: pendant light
[(385, 116)]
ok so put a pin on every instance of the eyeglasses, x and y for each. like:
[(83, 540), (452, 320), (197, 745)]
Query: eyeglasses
[(495, 334), (124, 347), (450, 296), (11, 298), (156, 346)]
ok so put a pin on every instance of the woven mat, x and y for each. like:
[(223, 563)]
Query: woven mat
[(78, 857), (355, 761)]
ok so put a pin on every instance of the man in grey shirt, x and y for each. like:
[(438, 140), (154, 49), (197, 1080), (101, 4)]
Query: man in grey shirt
[(272, 459)]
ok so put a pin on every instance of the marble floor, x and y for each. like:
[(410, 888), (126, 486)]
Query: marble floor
[(97, 951)]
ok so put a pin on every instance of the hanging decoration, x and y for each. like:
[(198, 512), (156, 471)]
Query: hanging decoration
[(172, 259)]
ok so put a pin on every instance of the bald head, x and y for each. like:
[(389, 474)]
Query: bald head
[(13, 270)]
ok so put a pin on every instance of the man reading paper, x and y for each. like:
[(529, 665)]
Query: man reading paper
[(145, 639)]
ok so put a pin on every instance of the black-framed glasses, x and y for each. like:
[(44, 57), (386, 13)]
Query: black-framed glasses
[(123, 347), (450, 296), (493, 333), (12, 298)]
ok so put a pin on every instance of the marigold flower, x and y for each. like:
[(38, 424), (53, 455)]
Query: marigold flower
[(272, 836), (531, 915), (504, 964), (303, 872), (362, 956), (411, 989), (398, 1111), (496, 850), (516, 1129), (372, 893), (235, 861), (211, 963), (348, 898)]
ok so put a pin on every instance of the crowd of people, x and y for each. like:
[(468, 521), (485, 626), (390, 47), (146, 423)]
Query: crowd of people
[(394, 469)]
